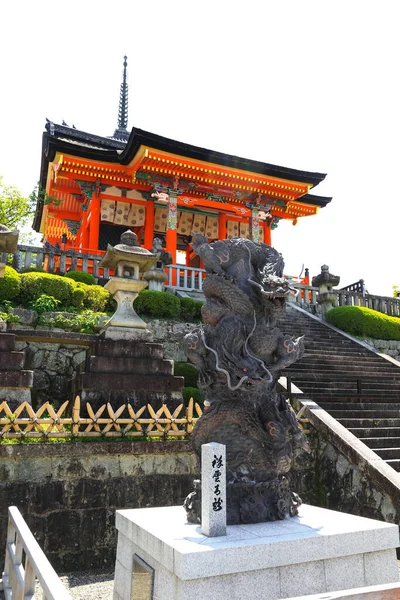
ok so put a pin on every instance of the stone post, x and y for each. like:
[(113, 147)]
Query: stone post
[(213, 489), (156, 276), (325, 282)]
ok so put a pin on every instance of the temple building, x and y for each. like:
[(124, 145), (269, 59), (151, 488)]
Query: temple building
[(97, 187)]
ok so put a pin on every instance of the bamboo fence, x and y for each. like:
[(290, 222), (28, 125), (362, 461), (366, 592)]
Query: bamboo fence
[(50, 423), (69, 423)]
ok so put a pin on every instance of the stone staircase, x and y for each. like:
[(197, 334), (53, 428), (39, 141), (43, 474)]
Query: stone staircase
[(355, 385)]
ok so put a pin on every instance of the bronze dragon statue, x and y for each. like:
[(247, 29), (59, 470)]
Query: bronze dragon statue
[(239, 353)]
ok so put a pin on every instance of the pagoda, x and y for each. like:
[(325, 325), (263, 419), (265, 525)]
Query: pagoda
[(97, 187)]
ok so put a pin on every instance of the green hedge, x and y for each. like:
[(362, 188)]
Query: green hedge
[(157, 304), (188, 371), (96, 297), (34, 285), (364, 322), (191, 309), (81, 276), (10, 284), (190, 392)]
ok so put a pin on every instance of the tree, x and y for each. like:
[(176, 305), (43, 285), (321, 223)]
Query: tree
[(15, 209), (396, 291)]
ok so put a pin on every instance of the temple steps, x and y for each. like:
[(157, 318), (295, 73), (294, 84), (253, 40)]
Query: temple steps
[(357, 386)]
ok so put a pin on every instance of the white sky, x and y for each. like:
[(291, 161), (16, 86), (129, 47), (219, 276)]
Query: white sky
[(304, 84)]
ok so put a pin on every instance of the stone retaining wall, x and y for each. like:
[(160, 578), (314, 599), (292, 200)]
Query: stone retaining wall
[(68, 493), (342, 473), (389, 347), (54, 355)]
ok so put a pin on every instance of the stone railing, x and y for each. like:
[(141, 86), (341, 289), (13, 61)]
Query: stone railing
[(55, 260), (383, 304), (181, 277)]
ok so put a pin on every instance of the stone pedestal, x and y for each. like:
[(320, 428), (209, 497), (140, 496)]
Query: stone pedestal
[(15, 382), (128, 370), (317, 551)]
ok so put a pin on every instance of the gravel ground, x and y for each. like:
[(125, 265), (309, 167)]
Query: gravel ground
[(84, 586), (89, 586)]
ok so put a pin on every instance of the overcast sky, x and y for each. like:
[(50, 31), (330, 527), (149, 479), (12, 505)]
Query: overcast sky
[(309, 85)]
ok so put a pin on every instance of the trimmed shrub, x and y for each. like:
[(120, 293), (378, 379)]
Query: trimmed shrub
[(157, 304), (9, 284), (81, 276), (364, 322), (188, 309), (96, 297), (198, 304), (33, 285), (188, 371), (190, 392), (78, 297), (33, 270)]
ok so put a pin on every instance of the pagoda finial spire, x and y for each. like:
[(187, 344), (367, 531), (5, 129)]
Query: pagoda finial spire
[(121, 132)]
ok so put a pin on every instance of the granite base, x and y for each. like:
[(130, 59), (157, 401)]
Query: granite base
[(317, 551)]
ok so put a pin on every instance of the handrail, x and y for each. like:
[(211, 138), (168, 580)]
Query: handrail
[(19, 579)]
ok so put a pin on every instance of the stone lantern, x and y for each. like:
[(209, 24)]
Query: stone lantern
[(156, 276), (8, 244), (325, 282), (128, 260)]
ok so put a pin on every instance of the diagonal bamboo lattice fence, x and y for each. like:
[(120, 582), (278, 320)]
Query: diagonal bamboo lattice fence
[(49, 423)]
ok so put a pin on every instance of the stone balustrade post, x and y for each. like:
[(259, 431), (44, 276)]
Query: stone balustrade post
[(325, 282)]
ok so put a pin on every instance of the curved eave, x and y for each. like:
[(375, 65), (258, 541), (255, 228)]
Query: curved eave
[(140, 138), (320, 201)]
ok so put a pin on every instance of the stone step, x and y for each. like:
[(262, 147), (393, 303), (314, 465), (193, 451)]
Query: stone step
[(322, 351), (12, 361), (127, 349), (335, 376), (339, 366), (379, 432), (332, 407), (369, 423), (364, 414), (145, 366), (381, 442), (364, 398), (387, 453), (127, 381), (394, 463), (7, 342)]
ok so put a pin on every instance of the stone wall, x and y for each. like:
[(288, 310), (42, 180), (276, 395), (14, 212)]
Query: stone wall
[(389, 347), (171, 334), (54, 355), (341, 473), (68, 492), (54, 365)]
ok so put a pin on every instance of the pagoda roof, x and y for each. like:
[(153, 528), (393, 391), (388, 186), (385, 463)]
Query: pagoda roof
[(69, 140), (140, 138)]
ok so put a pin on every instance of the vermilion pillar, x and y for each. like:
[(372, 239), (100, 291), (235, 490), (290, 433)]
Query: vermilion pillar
[(94, 222), (267, 234), (149, 225), (84, 239), (171, 237), (222, 226)]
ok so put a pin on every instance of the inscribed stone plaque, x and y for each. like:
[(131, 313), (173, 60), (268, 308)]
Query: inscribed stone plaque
[(142, 579), (213, 489)]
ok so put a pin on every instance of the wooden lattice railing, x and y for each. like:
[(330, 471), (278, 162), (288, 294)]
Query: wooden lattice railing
[(48, 422)]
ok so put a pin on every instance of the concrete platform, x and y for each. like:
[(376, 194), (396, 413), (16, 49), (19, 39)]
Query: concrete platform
[(318, 551)]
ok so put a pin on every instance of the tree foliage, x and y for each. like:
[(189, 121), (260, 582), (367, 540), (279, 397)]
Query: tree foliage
[(15, 209)]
